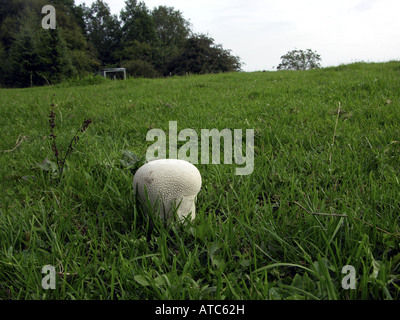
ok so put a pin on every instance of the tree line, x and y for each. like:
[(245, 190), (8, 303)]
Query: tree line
[(148, 43)]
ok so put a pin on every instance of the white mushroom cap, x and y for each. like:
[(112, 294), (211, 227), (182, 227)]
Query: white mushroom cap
[(170, 184)]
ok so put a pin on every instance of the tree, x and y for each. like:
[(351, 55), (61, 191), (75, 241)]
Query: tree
[(10, 11), (139, 40), (172, 32), (103, 31), (3, 65), (137, 23), (171, 27), (82, 58), (300, 60), (137, 57), (24, 59), (137, 50), (201, 56), (55, 61)]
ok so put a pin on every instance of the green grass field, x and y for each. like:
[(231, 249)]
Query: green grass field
[(325, 191)]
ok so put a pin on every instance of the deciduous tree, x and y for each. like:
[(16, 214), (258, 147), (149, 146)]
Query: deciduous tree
[(300, 60), (137, 23), (172, 32), (103, 31), (200, 56)]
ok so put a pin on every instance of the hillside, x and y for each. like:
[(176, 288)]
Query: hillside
[(324, 192)]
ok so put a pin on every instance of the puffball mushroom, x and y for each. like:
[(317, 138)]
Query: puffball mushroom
[(168, 184)]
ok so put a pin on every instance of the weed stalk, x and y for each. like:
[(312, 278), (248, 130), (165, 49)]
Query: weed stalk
[(61, 161)]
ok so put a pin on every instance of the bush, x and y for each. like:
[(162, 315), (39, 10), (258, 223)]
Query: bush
[(83, 81), (140, 68)]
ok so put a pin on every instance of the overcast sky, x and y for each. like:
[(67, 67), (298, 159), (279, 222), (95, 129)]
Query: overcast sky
[(261, 31)]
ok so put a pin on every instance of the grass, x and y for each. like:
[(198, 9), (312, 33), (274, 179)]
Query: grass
[(261, 236)]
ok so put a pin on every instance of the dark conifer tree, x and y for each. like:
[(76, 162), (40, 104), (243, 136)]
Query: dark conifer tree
[(55, 63), (24, 60)]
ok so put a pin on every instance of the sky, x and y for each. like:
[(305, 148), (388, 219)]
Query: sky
[(261, 31)]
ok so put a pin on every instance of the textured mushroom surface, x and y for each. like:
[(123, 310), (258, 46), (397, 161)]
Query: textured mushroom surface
[(168, 184)]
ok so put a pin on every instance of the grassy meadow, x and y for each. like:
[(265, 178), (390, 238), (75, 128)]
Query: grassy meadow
[(324, 193)]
